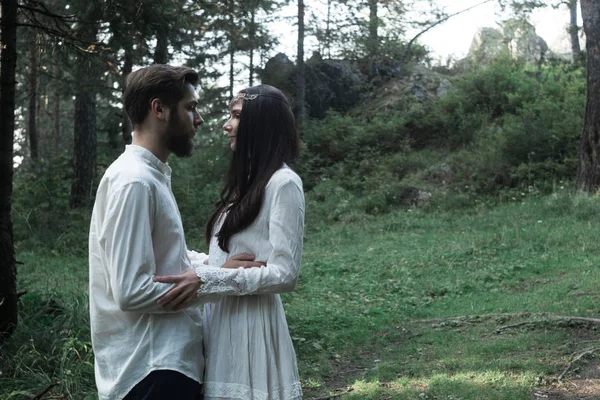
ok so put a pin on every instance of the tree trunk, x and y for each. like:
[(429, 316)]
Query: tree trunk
[(251, 40), (574, 31), (126, 127), (373, 42), (328, 31), (84, 153), (57, 126), (373, 27), (588, 174), (161, 52), (231, 70), (231, 48), (84, 129), (300, 80), (8, 270), (32, 111)]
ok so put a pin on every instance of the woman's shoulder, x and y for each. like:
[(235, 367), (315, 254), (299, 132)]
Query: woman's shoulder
[(284, 175)]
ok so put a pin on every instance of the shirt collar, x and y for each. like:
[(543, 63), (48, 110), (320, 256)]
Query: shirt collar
[(150, 158)]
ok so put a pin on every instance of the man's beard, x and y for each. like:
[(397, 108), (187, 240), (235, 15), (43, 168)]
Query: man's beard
[(176, 139)]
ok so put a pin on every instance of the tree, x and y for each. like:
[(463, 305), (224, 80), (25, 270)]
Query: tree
[(84, 128), (122, 19), (588, 172), (300, 81), (255, 36), (574, 30), (8, 271), (33, 95)]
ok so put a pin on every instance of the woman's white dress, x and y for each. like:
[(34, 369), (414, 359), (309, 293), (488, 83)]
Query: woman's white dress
[(248, 348)]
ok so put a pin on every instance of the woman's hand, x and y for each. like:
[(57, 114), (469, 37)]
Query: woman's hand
[(244, 260)]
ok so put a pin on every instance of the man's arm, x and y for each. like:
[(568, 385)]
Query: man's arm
[(126, 238)]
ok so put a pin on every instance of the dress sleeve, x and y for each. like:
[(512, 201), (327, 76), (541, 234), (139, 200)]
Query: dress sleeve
[(126, 239), (280, 275)]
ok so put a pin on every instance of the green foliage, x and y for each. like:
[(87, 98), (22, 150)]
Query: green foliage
[(52, 342), (41, 213), (533, 123), (500, 127), (349, 148)]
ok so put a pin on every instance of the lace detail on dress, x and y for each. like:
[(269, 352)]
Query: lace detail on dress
[(216, 390), (221, 281)]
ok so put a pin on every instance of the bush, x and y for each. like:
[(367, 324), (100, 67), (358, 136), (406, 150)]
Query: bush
[(41, 213), (502, 126)]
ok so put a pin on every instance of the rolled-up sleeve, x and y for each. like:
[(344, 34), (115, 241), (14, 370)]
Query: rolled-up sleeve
[(126, 239), (280, 275)]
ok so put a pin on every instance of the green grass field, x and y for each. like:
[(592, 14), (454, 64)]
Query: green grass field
[(418, 304)]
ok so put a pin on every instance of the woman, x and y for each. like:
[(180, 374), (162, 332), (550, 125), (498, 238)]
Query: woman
[(248, 348)]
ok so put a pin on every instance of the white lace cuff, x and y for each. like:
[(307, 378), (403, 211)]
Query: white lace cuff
[(223, 281)]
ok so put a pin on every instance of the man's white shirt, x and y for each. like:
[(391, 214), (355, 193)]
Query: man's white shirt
[(135, 233)]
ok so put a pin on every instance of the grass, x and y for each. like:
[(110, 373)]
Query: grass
[(378, 311)]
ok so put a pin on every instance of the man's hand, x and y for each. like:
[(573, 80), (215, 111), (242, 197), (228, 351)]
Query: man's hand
[(244, 260), (186, 283)]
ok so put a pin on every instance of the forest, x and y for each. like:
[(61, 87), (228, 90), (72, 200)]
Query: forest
[(450, 247)]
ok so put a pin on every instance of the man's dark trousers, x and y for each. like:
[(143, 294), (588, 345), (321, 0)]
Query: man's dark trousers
[(166, 385)]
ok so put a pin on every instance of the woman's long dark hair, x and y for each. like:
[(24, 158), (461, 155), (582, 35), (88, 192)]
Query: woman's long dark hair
[(266, 138)]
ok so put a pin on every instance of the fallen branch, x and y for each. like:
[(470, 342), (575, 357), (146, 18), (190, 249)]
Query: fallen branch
[(470, 318), (535, 318), (43, 392), (517, 325), (549, 318), (577, 358)]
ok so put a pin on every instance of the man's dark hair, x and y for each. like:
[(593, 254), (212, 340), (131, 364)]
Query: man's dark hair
[(266, 138), (164, 82)]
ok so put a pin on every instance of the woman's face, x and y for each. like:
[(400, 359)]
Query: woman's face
[(231, 126)]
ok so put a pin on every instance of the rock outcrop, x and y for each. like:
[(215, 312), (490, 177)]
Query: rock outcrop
[(517, 38), (330, 84)]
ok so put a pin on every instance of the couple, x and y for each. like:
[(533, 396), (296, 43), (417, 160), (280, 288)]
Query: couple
[(146, 288)]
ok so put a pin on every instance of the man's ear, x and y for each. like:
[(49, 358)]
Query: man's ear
[(159, 109)]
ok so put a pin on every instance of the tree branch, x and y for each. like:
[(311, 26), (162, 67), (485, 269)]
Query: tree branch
[(48, 13), (66, 37), (411, 41), (46, 390)]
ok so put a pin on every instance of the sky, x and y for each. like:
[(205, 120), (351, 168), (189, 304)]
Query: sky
[(453, 37)]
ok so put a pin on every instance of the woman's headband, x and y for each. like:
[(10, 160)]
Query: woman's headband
[(248, 96)]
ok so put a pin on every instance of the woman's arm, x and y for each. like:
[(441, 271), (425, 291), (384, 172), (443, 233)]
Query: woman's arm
[(286, 232)]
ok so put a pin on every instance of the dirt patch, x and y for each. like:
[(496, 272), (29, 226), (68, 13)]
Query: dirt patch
[(339, 383), (575, 389), (591, 371), (584, 385)]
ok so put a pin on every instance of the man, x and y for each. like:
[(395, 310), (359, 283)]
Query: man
[(142, 351)]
